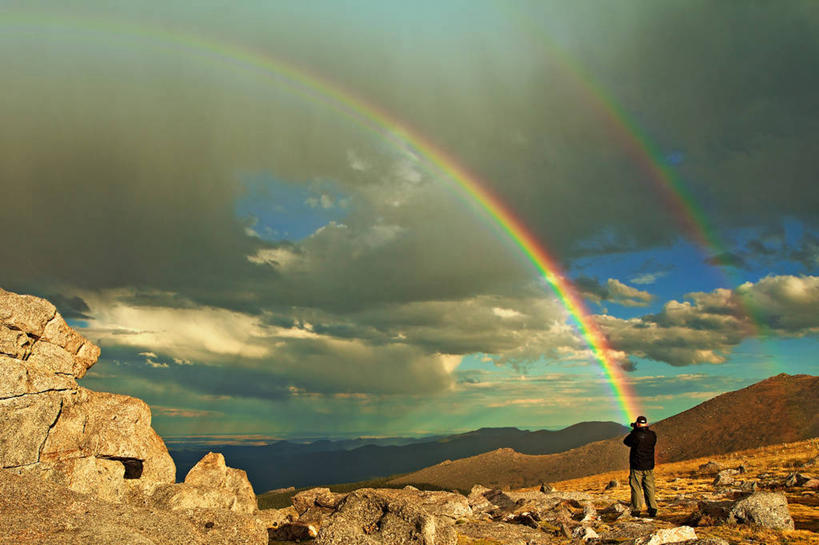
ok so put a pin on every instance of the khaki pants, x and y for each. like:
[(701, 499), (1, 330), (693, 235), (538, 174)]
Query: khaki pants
[(642, 482)]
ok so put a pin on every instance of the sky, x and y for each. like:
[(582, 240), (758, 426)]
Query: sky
[(304, 219)]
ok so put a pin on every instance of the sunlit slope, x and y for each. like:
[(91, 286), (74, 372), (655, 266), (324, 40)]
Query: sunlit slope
[(780, 409)]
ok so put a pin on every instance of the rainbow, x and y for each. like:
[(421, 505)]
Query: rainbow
[(666, 183), (377, 120)]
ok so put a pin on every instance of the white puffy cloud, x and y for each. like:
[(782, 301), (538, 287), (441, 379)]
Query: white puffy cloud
[(706, 327)]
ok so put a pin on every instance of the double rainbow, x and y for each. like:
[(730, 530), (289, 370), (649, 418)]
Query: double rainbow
[(385, 125)]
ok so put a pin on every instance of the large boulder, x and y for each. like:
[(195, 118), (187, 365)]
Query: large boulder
[(768, 509), (211, 471), (89, 441), (210, 484)]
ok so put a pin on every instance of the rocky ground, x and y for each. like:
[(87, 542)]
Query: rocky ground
[(761, 496)]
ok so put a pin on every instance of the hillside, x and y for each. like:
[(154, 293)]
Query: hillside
[(307, 467), (780, 409)]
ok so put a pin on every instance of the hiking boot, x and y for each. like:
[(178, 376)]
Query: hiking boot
[(635, 514), (652, 513)]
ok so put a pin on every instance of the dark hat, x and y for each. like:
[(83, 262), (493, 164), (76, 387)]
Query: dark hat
[(641, 420)]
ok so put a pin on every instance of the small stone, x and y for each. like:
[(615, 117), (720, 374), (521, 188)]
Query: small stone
[(584, 533), (525, 518), (292, 531), (668, 535), (709, 468), (748, 486), (614, 483), (546, 488), (589, 512), (316, 497), (810, 462), (723, 478), (796, 479)]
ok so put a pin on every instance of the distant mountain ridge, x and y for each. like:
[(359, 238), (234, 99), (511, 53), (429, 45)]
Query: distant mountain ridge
[(285, 464), (780, 409)]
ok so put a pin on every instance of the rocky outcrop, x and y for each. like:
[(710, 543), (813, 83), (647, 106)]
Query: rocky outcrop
[(709, 468), (78, 466), (91, 442)]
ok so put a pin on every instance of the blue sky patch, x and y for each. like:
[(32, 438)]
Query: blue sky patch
[(278, 210)]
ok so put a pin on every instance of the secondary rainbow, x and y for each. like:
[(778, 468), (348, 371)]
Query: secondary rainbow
[(665, 182), (385, 125)]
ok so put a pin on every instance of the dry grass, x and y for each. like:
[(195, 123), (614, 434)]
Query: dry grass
[(681, 479)]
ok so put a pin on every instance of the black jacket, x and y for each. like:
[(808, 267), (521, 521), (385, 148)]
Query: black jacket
[(641, 441)]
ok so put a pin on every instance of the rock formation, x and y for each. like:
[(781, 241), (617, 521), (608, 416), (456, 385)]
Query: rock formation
[(89, 441), (86, 448)]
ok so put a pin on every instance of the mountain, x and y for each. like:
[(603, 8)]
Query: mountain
[(285, 464), (780, 409)]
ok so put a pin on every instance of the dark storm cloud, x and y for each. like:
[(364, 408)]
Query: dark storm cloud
[(122, 162), (135, 170), (807, 253)]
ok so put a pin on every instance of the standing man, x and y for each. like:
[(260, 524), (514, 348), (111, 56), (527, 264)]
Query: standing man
[(641, 462)]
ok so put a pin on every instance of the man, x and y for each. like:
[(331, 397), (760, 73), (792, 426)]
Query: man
[(641, 462)]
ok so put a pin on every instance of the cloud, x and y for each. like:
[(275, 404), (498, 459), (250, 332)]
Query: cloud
[(613, 291), (785, 304), (261, 353), (647, 278), (204, 333), (176, 412), (176, 134), (728, 259), (706, 327)]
